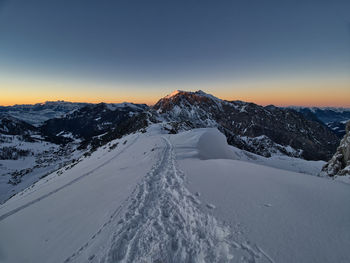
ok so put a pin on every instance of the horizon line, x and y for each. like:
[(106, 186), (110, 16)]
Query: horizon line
[(152, 104)]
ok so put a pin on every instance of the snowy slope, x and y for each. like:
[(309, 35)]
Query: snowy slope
[(290, 216), (168, 198), (41, 159), (56, 216)]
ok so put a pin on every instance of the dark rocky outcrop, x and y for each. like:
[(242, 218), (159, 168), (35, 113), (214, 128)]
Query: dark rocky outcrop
[(340, 163)]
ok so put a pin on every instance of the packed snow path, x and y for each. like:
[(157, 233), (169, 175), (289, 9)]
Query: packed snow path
[(163, 223)]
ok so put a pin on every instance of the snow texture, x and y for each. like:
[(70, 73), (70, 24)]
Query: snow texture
[(187, 197)]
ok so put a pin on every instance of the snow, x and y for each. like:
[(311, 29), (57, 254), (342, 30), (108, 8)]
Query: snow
[(59, 222), (213, 145), (115, 106), (292, 217), (243, 109), (43, 159), (280, 161), (304, 212), (66, 134), (177, 198)]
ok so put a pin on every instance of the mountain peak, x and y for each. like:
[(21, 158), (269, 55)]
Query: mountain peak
[(197, 93), (182, 98), (175, 92)]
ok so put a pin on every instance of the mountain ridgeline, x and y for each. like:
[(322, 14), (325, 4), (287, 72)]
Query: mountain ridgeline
[(262, 130), (258, 129)]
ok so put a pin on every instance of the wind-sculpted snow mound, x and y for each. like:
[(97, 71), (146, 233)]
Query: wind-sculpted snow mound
[(213, 145)]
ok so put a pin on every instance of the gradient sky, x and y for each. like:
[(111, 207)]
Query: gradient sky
[(268, 52)]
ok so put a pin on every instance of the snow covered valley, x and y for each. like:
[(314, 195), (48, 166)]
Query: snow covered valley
[(188, 197)]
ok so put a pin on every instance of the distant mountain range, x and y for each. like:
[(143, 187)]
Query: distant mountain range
[(334, 118), (293, 131), (37, 139), (36, 114)]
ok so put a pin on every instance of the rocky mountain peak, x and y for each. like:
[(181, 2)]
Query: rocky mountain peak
[(250, 126), (198, 93), (182, 102)]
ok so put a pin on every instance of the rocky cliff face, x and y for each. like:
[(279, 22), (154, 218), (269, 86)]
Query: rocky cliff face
[(340, 162), (262, 130)]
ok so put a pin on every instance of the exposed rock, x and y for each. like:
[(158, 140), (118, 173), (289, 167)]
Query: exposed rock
[(340, 162)]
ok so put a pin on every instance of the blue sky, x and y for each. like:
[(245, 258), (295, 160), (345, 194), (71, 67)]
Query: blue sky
[(134, 49)]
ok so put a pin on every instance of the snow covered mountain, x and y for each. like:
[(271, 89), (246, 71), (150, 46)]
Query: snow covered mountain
[(38, 113), (95, 123), (263, 130), (190, 198), (28, 153), (26, 156), (334, 118)]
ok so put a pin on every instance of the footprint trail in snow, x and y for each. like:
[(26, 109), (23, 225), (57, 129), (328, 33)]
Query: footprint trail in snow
[(164, 223)]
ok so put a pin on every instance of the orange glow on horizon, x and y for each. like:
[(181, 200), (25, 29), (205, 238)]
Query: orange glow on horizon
[(281, 93), (307, 99)]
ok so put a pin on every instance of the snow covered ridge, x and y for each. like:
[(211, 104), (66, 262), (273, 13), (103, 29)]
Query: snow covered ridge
[(190, 198)]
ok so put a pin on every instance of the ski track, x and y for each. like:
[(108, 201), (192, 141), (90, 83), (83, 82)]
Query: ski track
[(16, 210), (163, 222)]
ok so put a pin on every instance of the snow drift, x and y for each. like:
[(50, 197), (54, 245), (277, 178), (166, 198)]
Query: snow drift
[(213, 145)]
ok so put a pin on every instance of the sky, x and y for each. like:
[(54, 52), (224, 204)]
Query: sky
[(267, 52)]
